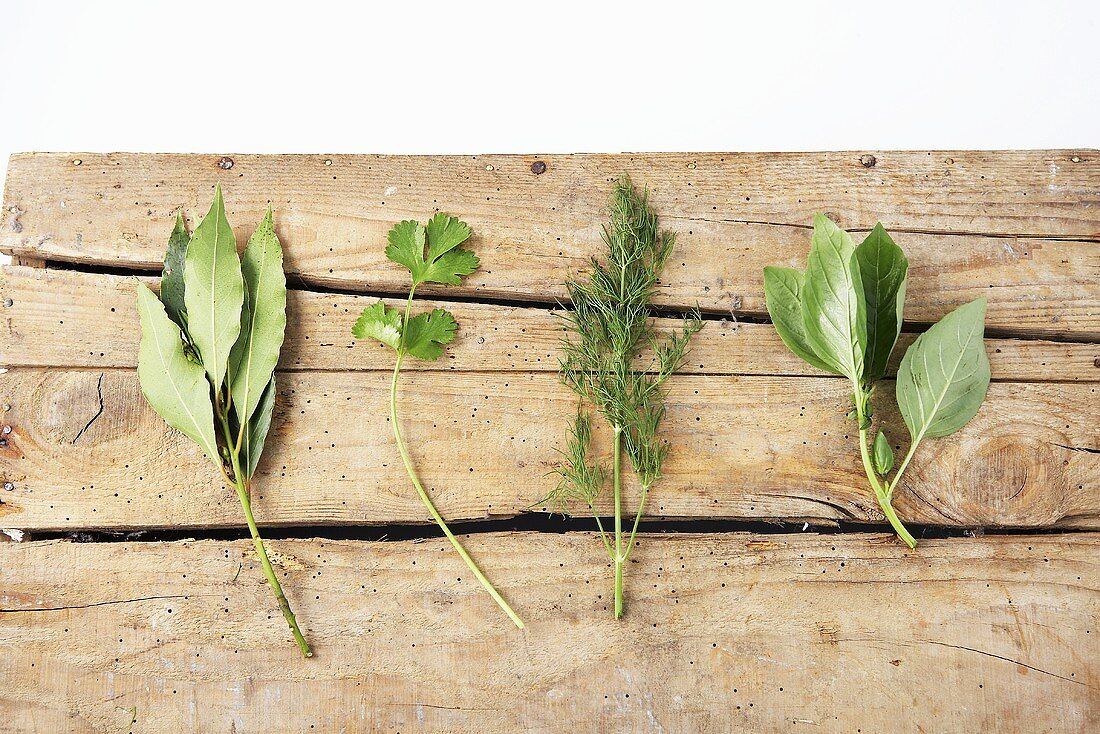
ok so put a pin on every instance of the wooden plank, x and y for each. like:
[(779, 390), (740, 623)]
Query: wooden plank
[(61, 318), (723, 633), (86, 451), (1020, 227)]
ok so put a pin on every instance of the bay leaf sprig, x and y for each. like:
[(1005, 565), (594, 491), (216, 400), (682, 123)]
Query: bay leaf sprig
[(208, 351), (424, 335), (607, 329), (844, 315)]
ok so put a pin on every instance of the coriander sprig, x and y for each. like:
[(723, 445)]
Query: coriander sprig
[(608, 327), (424, 335)]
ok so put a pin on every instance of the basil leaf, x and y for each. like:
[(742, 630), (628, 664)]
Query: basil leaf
[(833, 311), (171, 281), (944, 375), (263, 319), (883, 454), (882, 268), (783, 295), (174, 385), (214, 290), (256, 435)]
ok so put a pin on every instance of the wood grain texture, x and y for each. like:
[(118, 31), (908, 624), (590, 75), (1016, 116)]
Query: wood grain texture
[(1020, 227), (723, 633), (62, 318), (85, 451)]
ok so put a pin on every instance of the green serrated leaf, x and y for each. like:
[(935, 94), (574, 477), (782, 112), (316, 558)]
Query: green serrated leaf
[(175, 387), (883, 454), (214, 290), (783, 295), (258, 425), (944, 375), (426, 333), (378, 321), (446, 262), (882, 268), (833, 310), (263, 319), (406, 246), (444, 234), (171, 282)]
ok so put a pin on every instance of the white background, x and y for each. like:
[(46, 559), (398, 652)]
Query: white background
[(461, 77)]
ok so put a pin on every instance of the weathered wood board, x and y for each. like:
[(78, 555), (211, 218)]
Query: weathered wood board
[(64, 318), (1020, 226), (86, 451), (724, 632), (729, 632)]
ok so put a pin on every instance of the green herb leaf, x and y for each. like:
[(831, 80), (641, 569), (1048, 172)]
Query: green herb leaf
[(214, 290), (258, 425), (446, 262), (175, 386), (783, 295), (883, 268), (944, 375), (377, 321), (444, 234), (171, 281), (883, 454), (426, 333), (263, 322), (833, 310)]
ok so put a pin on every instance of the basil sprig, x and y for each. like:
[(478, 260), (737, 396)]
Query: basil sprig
[(844, 315)]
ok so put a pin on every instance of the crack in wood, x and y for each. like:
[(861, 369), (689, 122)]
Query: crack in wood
[(99, 391), (90, 605)]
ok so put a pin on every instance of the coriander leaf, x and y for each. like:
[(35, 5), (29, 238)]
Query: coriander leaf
[(446, 262), (380, 322), (406, 247), (426, 333), (450, 268), (171, 281), (444, 234)]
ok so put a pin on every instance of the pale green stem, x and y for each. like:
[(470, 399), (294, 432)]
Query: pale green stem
[(880, 491), (619, 558), (603, 533), (637, 519), (241, 485), (428, 501)]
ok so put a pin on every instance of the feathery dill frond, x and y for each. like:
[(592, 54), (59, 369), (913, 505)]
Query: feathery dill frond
[(610, 325), (578, 478)]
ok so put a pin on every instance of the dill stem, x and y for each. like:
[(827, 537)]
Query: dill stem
[(428, 501), (619, 557), (881, 492), (241, 485)]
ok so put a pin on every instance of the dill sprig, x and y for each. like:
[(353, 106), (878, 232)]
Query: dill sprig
[(608, 328)]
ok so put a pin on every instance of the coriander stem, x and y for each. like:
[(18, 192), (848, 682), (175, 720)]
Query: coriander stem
[(619, 557), (428, 501), (881, 493)]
